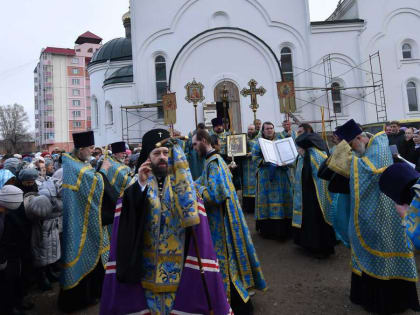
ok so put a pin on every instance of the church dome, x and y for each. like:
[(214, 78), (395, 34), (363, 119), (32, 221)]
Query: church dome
[(122, 75), (117, 49)]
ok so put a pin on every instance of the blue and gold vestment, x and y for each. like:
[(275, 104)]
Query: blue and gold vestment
[(249, 171), (274, 199), (164, 237), (232, 241), (84, 238), (317, 157), (377, 237), (119, 175)]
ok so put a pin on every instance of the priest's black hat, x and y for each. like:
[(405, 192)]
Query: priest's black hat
[(217, 122), (83, 139), (349, 131), (150, 139), (396, 182), (118, 147)]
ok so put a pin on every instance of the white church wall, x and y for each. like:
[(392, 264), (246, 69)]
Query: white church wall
[(341, 44), (232, 54), (397, 22)]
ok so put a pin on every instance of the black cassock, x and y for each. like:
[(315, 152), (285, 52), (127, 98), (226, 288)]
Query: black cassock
[(88, 291), (315, 234)]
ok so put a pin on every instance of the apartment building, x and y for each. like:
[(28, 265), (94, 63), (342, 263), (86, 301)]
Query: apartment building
[(62, 92)]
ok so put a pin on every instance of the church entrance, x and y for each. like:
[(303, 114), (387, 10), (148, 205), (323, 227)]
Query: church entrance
[(234, 111)]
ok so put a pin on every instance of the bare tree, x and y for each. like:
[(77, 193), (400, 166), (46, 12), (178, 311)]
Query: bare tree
[(14, 126)]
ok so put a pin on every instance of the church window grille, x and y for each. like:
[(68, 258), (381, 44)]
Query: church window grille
[(336, 97), (161, 81), (287, 63), (413, 103), (407, 51)]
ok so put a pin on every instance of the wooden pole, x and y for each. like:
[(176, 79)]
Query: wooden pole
[(195, 112)]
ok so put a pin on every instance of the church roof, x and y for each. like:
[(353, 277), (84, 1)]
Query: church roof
[(329, 22), (117, 49), (59, 51), (122, 75), (88, 37)]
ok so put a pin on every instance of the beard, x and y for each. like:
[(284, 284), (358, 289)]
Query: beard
[(202, 151), (160, 169), (360, 149)]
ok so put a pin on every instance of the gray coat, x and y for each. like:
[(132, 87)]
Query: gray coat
[(45, 238)]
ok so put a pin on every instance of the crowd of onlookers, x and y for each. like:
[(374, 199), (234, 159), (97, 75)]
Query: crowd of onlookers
[(30, 229), (407, 140)]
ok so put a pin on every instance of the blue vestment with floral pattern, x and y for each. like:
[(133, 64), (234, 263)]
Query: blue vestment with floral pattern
[(249, 172), (235, 251)]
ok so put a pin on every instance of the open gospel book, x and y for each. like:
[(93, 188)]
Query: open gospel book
[(280, 152)]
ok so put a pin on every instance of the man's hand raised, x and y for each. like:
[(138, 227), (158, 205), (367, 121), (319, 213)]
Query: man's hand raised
[(144, 172)]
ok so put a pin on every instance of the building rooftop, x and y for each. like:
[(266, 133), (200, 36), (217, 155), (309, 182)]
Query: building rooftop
[(88, 37), (327, 22), (118, 49), (60, 51)]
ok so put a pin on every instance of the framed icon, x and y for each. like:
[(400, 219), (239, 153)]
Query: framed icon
[(236, 145)]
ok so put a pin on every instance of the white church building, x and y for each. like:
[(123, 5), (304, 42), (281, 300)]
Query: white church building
[(362, 63)]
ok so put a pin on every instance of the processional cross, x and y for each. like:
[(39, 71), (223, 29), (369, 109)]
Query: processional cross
[(253, 91)]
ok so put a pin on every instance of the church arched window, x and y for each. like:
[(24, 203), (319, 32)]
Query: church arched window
[(95, 108), (287, 63), (109, 114), (413, 102), (407, 51), (336, 97), (161, 82)]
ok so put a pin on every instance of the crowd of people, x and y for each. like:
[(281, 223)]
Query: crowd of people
[(161, 229)]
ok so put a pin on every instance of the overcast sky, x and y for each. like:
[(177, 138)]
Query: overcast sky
[(26, 26)]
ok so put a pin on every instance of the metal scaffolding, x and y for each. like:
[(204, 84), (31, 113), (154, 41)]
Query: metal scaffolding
[(371, 67)]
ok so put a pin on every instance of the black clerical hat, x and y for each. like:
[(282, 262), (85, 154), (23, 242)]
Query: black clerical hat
[(83, 139), (217, 122), (118, 147), (150, 139), (396, 182), (348, 131)]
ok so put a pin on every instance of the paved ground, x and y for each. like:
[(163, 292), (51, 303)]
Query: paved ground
[(298, 283)]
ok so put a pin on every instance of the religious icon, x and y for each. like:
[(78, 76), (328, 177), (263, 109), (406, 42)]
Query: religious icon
[(169, 108), (194, 92), (194, 95), (236, 145), (286, 93)]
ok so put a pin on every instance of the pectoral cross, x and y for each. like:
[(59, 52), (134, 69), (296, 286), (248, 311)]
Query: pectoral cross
[(160, 134), (253, 91)]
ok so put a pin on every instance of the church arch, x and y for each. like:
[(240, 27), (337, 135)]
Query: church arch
[(233, 29)]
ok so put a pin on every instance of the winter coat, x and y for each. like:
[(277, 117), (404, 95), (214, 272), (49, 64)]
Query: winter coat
[(45, 238), (397, 139)]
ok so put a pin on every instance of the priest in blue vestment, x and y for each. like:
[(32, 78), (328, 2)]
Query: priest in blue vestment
[(274, 196), (384, 270), (239, 264), (312, 200), (119, 174), (89, 201), (249, 171)]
